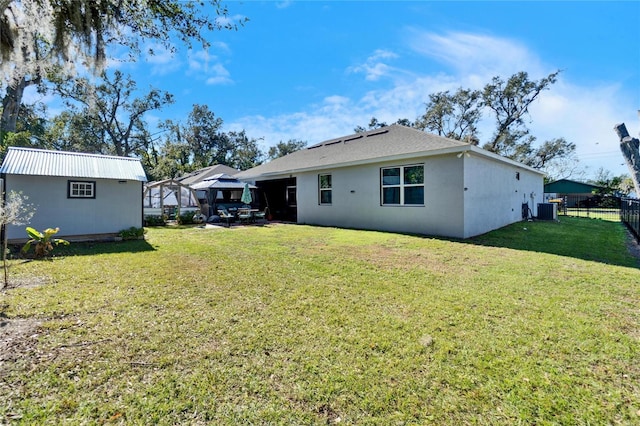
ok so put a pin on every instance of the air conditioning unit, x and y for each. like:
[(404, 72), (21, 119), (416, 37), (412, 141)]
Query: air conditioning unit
[(547, 211)]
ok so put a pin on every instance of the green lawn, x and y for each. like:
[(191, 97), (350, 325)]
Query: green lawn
[(537, 323), (595, 213)]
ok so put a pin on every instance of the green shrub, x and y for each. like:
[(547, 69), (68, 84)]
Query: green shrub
[(188, 218), (185, 218), (155, 220), (132, 233)]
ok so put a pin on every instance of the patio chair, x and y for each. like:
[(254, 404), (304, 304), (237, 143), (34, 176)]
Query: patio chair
[(244, 215), (226, 216), (260, 215)]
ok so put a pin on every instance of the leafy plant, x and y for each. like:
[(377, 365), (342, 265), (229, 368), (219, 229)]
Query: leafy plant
[(185, 218), (132, 233), (155, 220), (44, 241), (188, 218)]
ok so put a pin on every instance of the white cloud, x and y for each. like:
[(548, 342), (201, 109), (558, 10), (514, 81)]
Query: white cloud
[(229, 21), (163, 61), (221, 46), (475, 54), (586, 116), (582, 115), (374, 68), (284, 4), (207, 67), (220, 75)]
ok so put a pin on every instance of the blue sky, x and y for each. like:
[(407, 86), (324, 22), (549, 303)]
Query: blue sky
[(314, 70)]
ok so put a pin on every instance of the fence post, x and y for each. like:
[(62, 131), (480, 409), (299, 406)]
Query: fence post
[(630, 215)]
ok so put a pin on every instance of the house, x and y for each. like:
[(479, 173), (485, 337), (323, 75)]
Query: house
[(399, 179), (87, 196)]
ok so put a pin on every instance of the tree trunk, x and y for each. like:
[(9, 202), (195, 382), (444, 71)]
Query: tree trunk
[(11, 104), (5, 267), (630, 148)]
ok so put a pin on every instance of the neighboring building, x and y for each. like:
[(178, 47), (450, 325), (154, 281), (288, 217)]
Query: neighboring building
[(572, 193), (399, 179), (87, 196), (199, 175)]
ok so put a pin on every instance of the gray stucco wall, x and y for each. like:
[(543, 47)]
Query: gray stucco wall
[(117, 206), (495, 194), (464, 197), (356, 199)]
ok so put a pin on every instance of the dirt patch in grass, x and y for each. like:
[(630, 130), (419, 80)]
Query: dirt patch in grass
[(19, 339), (26, 282), (18, 336)]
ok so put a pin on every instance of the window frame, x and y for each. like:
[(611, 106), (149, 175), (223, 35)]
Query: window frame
[(328, 189), (401, 186), (85, 185)]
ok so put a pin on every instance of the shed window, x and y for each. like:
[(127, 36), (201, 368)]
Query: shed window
[(403, 185), (81, 189), (325, 189)]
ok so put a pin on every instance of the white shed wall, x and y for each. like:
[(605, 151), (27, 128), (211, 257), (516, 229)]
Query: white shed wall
[(494, 196), (356, 199), (117, 206)]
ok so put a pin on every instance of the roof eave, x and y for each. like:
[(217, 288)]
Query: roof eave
[(399, 157), (430, 153)]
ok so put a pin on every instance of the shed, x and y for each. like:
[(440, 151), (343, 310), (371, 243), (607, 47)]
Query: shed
[(87, 196), (399, 179), (572, 193), (566, 186)]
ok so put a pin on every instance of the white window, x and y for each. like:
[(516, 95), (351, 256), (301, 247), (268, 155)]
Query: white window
[(402, 185), (324, 186), (81, 189)]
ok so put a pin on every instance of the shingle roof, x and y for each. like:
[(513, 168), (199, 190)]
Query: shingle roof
[(390, 142), (39, 162)]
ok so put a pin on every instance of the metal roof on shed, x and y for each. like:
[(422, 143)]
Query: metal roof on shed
[(39, 162), (566, 186)]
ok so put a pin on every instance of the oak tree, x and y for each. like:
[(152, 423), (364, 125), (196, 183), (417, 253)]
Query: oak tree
[(39, 38), (106, 116)]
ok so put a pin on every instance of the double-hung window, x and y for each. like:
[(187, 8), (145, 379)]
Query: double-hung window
[(402, 185), (81, 189), (325, 189)]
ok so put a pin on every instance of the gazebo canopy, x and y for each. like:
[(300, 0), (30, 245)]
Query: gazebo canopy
[(221, 181)]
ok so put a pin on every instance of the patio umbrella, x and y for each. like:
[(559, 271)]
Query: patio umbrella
[(246, 194)]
